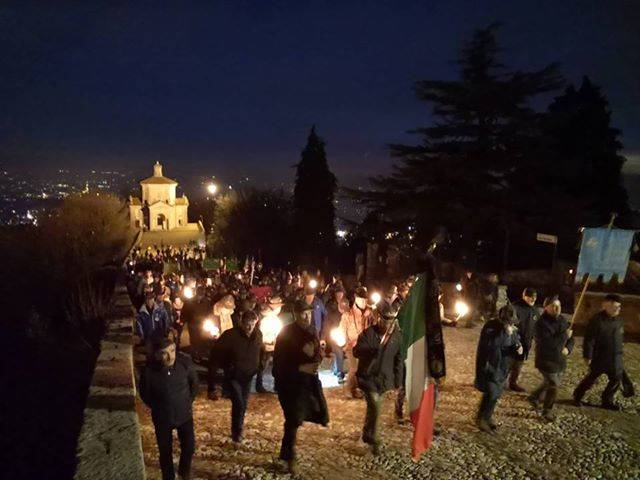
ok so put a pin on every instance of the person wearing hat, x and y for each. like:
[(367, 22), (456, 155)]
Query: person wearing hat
[(527, 317), (353, 322), (318, 308), (379, 367), (168, 385), (296, 359), (602, 350), (237, 353), (554, 343), (498, 344)]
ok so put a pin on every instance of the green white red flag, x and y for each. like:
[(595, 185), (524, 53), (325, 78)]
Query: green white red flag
[(416, 324)]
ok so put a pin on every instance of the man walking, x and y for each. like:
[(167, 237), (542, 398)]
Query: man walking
[(379, 368), (527, 317), (554, 343), (602, 351), (498, 344), (168, 385), (237, 352), (296, 359)]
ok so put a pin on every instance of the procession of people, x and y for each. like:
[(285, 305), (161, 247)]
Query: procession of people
[(239, 323)]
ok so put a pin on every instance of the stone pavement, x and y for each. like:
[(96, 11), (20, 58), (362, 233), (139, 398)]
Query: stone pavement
[(585, 443)]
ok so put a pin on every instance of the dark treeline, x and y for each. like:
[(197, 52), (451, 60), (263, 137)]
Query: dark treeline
[(492, 171), (54, 305)]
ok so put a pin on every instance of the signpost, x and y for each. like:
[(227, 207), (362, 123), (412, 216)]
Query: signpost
[(546, 238)]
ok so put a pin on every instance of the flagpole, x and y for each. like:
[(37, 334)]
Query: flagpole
[(586, 284)]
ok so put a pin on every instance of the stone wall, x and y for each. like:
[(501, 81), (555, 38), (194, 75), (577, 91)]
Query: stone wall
[(109, 446)]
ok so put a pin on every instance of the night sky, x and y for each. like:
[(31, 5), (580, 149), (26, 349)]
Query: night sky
[(232, 88)]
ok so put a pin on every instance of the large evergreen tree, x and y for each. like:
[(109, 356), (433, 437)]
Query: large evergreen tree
[(461, 175), (583, 151), (313, 202)]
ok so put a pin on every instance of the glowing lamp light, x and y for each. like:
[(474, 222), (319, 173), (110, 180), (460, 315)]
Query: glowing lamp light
[(211, 328), (187, 292), (338, 336), (313, 283), (209, 282), (571, 271), (341, 233), (270, 327), (239, 276), (375, 298), (459, 287), (212, 188), (461, 308)]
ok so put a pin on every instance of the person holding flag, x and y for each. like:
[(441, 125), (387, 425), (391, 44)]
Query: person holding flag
[(379, 368), (423, 350)]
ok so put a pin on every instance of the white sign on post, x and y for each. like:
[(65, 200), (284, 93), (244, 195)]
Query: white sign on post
[(546, 238)]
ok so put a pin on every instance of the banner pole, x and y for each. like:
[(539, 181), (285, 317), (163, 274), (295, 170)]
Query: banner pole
[(586, 284)]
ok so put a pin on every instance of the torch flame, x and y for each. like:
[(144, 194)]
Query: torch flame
[(313, 283), (461, 308), (338, 336), (211, 328), (187, 292), (375, 298), (270, 327)]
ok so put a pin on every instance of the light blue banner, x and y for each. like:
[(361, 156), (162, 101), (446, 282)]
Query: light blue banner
[(604, 252)]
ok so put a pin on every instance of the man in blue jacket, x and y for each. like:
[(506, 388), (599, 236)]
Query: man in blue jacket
[(554, 343), (498, 345), (152, 321)]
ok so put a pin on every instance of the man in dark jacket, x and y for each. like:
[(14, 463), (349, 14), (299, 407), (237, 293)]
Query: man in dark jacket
[(602, 351), (152, 321), (379, 367), (498, 345), (296, 359), (336, 305), (237, 352), (554, 343), (527, 316), (168, 385)]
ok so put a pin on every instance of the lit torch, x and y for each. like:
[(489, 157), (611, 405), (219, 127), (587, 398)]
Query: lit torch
[(375, 298), (211, 328), (461, 309), (338, 337), (187, 292), (270, 327), (313, 283), (459, 287)]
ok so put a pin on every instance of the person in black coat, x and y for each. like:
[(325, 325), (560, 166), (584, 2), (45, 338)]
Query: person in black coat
[(527, 315), (168, 385), (602, 351), (554, 343), (296, 358), (379, 367), (498, 344), (237, 352)]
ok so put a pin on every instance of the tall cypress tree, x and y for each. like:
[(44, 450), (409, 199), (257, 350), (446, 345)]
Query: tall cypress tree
[(313, 201), (460, 175), (583, 150)]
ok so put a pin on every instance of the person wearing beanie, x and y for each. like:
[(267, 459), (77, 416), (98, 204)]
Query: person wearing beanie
[(498, 345), (554, 343), (169, 385)]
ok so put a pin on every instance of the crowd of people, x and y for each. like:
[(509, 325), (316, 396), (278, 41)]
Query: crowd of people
[(240, 322)]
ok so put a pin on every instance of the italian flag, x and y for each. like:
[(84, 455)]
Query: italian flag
[(419, 390)]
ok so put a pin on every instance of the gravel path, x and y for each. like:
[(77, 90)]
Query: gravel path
[(583, 443)]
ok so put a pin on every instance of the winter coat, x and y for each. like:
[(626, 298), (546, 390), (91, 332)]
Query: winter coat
[(527, 318), (496, 348), (551, 339), (300, 393), (603, 343), (154, 324), (170, 391), (379, 366), (237, 354), (353, 323)]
